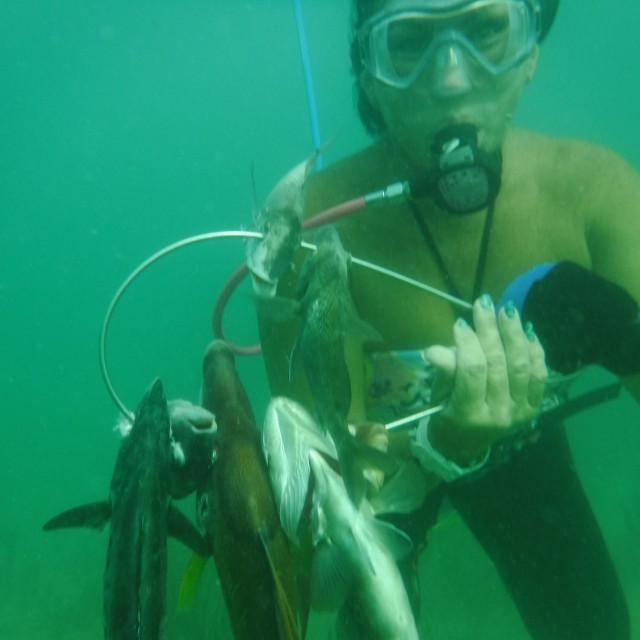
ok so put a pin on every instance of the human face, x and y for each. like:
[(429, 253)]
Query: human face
[(435, 63)]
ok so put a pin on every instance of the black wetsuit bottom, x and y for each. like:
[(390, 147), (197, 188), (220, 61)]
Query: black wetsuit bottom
[(533, 519)]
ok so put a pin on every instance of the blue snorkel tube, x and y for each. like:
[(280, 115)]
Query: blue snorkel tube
[(308, 82)]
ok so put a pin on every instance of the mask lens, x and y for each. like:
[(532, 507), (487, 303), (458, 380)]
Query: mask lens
[(406, 42), (497, 34)]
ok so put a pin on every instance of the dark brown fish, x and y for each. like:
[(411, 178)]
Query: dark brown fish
[(327, 316), (141, 515), (238, 511)]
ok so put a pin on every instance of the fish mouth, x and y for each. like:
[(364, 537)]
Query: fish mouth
[(263, 285)]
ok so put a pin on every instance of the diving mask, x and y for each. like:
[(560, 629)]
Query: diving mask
[(494, 35)]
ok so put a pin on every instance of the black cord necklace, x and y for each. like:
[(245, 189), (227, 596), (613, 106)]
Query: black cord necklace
[(442, 267)]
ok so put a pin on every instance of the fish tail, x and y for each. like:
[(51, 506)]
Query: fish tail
[(286, 615), (94, 515)]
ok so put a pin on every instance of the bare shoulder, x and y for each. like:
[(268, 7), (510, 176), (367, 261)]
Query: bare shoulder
[(566, 163), (558, 149), (597, 187), (353, 176), (587, 180)]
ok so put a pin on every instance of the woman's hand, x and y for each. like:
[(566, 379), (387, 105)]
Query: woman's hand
[(491, 382), (375, 435)]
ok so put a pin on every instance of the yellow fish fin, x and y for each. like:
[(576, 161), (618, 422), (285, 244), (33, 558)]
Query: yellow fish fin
[(190, 581)]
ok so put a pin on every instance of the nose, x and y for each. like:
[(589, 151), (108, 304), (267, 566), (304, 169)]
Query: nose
[(451, 72)]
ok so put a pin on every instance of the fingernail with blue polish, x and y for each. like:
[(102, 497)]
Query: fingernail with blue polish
[(529, 332), (462, 323), (486, 302), (510, 309)]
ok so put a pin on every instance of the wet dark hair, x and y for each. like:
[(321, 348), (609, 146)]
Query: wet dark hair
[(361, 11)]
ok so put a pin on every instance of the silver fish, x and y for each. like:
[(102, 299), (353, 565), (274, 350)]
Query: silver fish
[(354, 565), (289, 433), (141, 518)]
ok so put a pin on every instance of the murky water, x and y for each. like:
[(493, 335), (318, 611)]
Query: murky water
[(128, 125)]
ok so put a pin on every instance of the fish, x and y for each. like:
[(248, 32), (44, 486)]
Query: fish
[(327, 318), (288, 434), (354, 564), (141, 515), (280, 222), (237, 511)]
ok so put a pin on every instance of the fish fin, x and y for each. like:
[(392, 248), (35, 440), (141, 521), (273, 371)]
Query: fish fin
[(302, 556), (404, 492), (296, 362), (288, 434), (290, 489), (331, 577), (190, 581), (447, 520), (313, 435), (275, 308), (397, 542), (318, 151), (305, 276), (285, 612), (93, 516), (181, 528), (357, 329)]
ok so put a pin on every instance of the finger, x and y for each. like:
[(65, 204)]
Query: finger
[(444, 360), (374, 434), (470, 385), (486, 325), (517, 352), (539, 371)]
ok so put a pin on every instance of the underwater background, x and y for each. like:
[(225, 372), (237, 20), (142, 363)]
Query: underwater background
[(128, 125)]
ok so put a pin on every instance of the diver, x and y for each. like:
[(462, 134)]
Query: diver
[(491, 208)]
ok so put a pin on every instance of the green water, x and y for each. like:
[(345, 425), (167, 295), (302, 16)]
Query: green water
[(125, 126)]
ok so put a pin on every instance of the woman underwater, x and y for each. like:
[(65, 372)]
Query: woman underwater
[(553, 222)]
